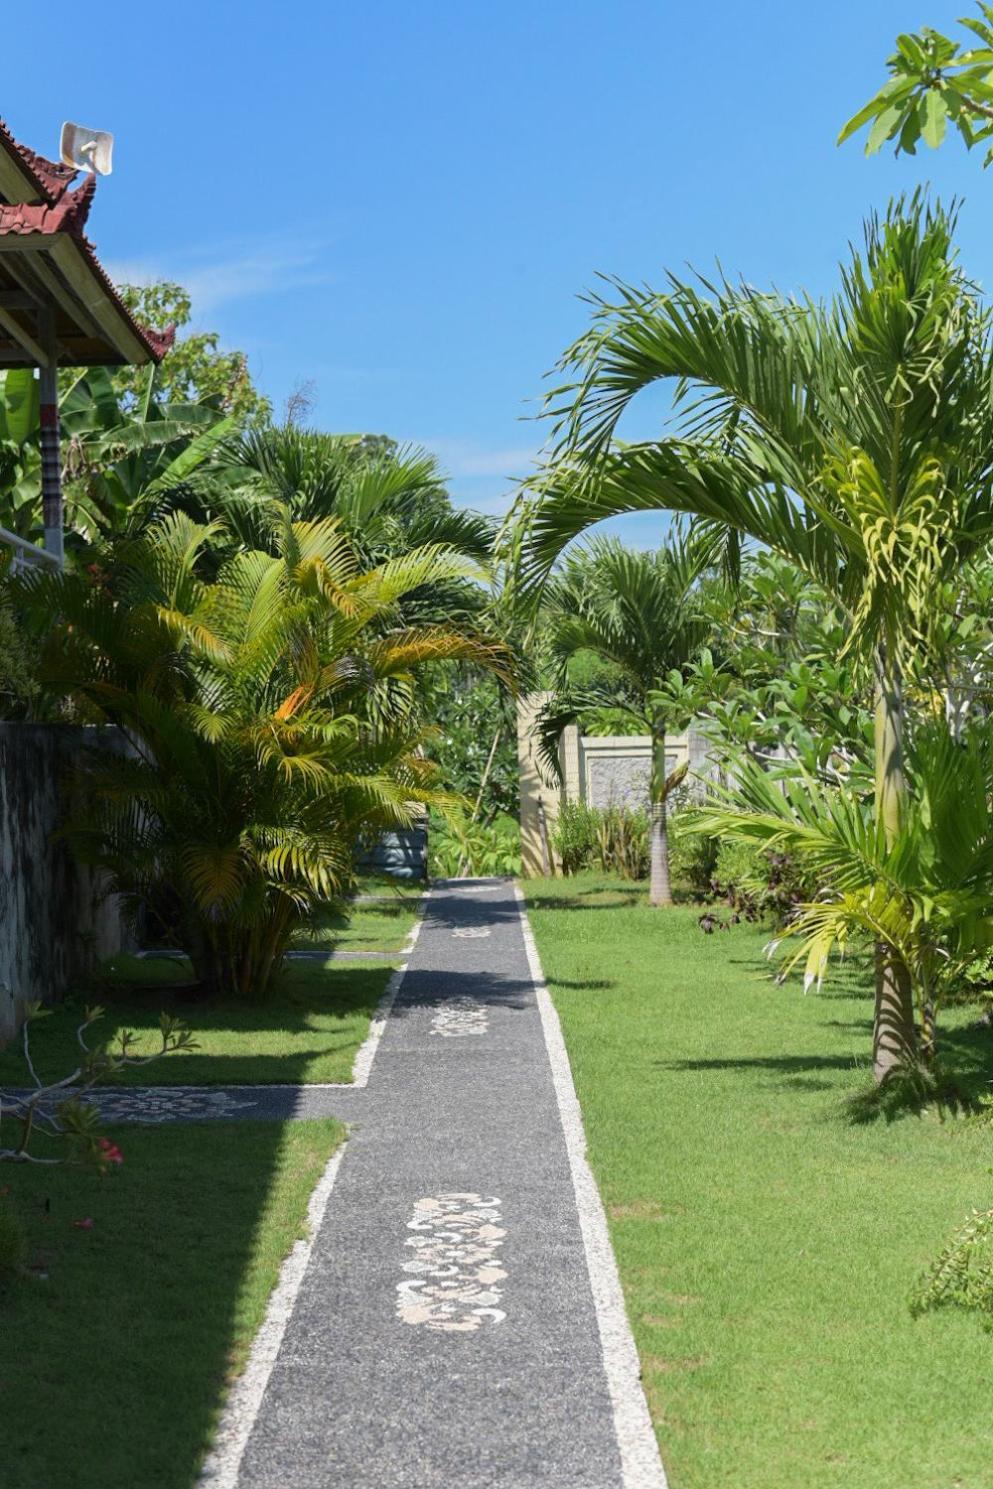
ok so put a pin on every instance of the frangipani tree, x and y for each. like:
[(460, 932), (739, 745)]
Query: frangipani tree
[(855, 439), (934, 82)]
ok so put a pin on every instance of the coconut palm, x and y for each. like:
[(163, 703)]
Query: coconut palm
[(272, 716), (640, 613), (855, 439)]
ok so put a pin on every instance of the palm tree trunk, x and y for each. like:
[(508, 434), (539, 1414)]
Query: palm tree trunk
[(660, 888), (894, 1035)]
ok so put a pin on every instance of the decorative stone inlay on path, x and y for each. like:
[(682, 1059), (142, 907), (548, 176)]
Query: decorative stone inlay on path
[(455, 1264), (459, 1018), (471, 933)]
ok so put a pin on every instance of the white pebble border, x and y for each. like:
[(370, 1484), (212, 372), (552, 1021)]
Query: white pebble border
[(641, 1464), (223, 1462)]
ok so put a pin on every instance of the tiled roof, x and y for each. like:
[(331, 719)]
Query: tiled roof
[(56, 209)]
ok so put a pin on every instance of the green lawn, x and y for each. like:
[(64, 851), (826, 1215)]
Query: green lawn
[(118, 1347), (385, 926), (308, 1031), (766, 1244)]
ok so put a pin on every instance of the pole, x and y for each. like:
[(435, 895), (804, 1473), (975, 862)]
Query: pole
[(51, 456)]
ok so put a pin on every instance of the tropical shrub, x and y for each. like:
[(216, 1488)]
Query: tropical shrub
[(271, 706), (610, 839), (925, 894), (460, 846), (693, 856)]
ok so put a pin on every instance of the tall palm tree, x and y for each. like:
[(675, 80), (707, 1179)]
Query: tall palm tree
[(640, 613), (272, 711), (854, 438)]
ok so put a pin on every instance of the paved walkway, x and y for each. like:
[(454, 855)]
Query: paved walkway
[(458, 1322)]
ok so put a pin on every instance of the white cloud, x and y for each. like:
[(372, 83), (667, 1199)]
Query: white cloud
[(231, 273)]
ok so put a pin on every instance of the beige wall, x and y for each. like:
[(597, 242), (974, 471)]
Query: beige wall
[(598, 769)]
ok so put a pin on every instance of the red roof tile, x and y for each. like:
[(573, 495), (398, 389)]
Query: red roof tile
[(60, 210)]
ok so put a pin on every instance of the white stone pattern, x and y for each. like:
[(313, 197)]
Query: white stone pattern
[(460, 1018), (165, 1105), (454, 1264), (471, 933)]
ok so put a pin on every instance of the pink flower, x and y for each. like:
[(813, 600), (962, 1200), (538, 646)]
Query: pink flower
[(86, 1224), (109, 1152)]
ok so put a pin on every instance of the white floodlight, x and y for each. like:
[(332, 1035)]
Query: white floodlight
[(87, 149)]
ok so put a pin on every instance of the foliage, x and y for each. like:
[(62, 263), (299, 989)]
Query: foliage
[(612, 839), (470, 711), (853, 439), (692, 857), (927, 895), (195, 370), (934, 81), (124, 464), (55, 1111), (388, 499), (19, 660), (463, 846), (962, 1275), (273, 711)]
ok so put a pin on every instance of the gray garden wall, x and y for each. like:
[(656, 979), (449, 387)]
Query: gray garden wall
[(53, 917)]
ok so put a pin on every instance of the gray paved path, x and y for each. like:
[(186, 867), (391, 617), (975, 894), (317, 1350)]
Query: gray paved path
[(445, 1333)]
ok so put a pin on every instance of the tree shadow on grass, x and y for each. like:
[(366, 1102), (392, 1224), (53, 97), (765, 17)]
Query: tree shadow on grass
[(116, 1351), (315, 1014)]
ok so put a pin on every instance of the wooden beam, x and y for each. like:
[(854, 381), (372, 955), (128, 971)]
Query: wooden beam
[(38, 278), (24, 338), (19, 300), (91, 291)]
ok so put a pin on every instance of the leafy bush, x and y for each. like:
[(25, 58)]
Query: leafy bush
[(611, 839), (692, 858), (478, 849)]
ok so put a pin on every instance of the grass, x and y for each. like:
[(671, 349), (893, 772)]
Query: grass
[(119, 1345), (767, 1243), (307, 1032), (363, 927)]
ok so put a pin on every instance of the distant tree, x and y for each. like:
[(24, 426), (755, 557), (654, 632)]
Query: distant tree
[(640, 614), (196, 369), (933, 82)]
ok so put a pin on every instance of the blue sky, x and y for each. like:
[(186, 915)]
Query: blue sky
[(401, 202)]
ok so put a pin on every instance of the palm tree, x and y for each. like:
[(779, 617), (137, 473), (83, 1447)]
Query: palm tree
[(272, 714), (855, 439), (639, 613), (388, 498)]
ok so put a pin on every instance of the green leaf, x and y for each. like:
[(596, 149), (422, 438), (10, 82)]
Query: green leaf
[(19, 405), (895, 90), (884, 129), (935, 118)]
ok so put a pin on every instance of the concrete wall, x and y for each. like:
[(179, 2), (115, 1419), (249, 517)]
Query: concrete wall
[(54, 918), (603, 770)]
